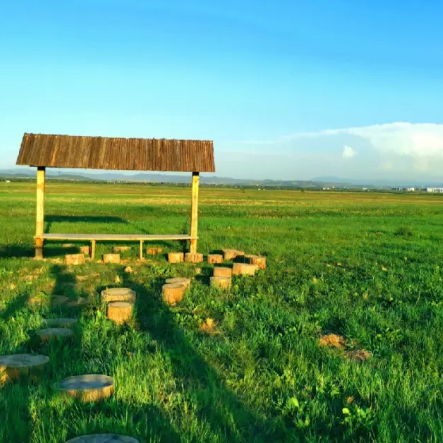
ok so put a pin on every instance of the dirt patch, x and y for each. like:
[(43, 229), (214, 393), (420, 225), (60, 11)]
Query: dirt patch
[(359, 355), (332, 341), (208, 327)]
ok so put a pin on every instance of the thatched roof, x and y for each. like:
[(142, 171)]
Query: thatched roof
[(135, 154)]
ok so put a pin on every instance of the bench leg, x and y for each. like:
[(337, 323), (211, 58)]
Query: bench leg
[(39, 248), (141, 249), (92, 254)]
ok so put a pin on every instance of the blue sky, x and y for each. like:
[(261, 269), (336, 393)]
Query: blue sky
[(286, 89)]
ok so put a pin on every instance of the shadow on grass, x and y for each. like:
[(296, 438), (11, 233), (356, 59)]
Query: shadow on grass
[(51, 219)]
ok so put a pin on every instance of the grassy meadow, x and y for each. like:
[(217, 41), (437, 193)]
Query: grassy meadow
[(365, 266)]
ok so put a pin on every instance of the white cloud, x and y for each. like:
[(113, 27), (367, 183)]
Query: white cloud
[(348, 152)]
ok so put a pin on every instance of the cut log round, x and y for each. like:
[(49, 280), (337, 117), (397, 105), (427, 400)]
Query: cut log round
[(182, 280), (118, 249), (118, 294), (74, 259), (258, 260), (244, 269), (221, 282), (215, 259), (222, 272), (59, 322), (103, 438), (53, 333), (154, 251), (111, 258), (193, 257), (84, 250), (120, 311), (173, 293), (229, 254), (18, 365), (87, 388), (175, 257)]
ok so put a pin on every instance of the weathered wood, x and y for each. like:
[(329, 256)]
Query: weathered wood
[(194, 211), (244, 269), (74, 259), (175, 257), (87, 388), (182, 280), (193, 257), (117, 237), (222, 272), (154, 251), (53, 333), (118, 294), (258, 260), (111, 258), (92, 249), (230, 254), (141, 250), (221, 282), (85, 250), (173, 293), (120, 311), (40, 213), (103, 438), (215, 259), (18, 365)]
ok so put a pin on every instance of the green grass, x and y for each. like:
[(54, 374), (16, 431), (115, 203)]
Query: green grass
[(363, 265)]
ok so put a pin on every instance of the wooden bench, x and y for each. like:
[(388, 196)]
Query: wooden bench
[(93, 238)]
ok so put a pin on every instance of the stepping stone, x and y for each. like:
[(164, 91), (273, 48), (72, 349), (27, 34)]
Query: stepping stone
[(215, 259), (175, 257), (111, 258), (121, 248), (59, 322), (57, 300), (221, 282), (244, 269), (103, 438), (182, 280), (87, 388), (82, 301), (50, 333), (17, 365), (154, 251), (84, 250), (222, 272), (120, 311), (173, 293), (230, 254), (74, 259), (193, 257), (258, 260), (118, 294)]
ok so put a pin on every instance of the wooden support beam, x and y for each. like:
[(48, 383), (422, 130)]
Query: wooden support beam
[(141, 249), (92, 254), (40, 213), (194, 211)]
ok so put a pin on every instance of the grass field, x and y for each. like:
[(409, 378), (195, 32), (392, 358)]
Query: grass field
[(362, 265)]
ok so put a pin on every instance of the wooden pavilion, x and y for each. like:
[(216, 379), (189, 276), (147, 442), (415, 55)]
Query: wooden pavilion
[(129, 154)]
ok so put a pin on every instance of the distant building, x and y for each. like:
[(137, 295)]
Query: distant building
[(435, 190), (404, 189)]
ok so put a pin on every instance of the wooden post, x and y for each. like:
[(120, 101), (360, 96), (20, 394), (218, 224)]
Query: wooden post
[(141, 249), (40, 213), (92, 255), (194, 211)]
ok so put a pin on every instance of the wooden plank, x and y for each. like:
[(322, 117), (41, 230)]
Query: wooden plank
[(194, 211), (116, 237), (40, 213)]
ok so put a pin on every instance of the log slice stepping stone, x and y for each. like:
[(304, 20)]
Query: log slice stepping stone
[(244, 269), (215, 259), (17, 365), (221, 282), (84, 250), (120, 311), (183, 280), (103, 438), (87, 388), (118, 294), (74, 259), (193, 257), (59, 322), (173, 293), (121, 248), (111, 258), (230, 254), (175, 257), (258, 260), (154, 251), (53, 333), (222, 272)]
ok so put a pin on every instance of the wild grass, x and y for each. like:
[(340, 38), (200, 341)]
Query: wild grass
[(365, 266)]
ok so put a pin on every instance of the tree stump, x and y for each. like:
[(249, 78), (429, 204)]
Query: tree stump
[(154, 251), (84, 250), (20, 365), (173, 293), (118, 249), (244, 269), (87, 388), (221, 282), (103, 438), (258, 260), (59, 322), (111, 258), (120, 311), (118, 294), (182, 280), (214, 259), (222, 272), (53, 333), (175, 257), (193, 257), (74, 259)]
